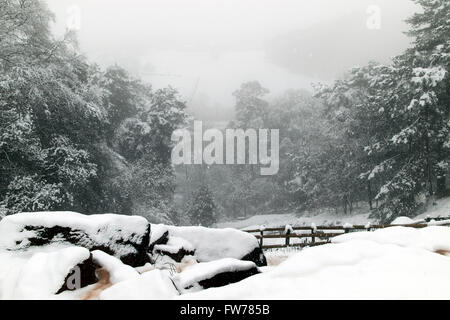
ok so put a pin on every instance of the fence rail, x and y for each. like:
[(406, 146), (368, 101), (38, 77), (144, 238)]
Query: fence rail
[(320, 235)]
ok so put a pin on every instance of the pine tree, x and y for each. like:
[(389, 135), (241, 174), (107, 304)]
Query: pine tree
[(202, 209)]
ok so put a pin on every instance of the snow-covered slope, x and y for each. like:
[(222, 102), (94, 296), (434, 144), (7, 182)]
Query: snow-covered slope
[(278, 220), (440, 209), (327, 217)]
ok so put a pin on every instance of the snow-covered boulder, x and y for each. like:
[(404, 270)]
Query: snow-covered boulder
[(214, 274), (45, 274), (152, 285), (215, 244), (158, 236), (175, 248), (125, 237), (117, 270)]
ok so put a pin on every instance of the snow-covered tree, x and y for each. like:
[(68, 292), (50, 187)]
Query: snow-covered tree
[(202, 209)]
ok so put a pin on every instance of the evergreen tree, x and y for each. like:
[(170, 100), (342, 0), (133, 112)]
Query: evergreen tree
[(202, 209)]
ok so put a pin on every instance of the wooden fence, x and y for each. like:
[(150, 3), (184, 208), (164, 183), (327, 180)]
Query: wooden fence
[(319, 235)]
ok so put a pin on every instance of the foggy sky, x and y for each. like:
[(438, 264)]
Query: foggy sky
[(207, 48)]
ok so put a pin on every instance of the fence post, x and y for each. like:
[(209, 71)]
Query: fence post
[(288, 238), (313, 232), (261, 241)]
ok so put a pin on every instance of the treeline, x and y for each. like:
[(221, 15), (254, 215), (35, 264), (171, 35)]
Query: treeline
[(73, 136), (76, 137), (381, 134)]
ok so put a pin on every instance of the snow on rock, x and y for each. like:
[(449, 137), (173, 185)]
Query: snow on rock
[(214, 274), (355, 269), (117, 270), (125, 237), (176, 248), (152, 285), (215, 244), (158, 236), (45, 274)]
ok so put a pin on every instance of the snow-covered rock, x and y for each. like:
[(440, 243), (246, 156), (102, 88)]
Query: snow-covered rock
[(175, 248), (152, 285), (215, 244), (45, 274), (214, 274), (117, 270), (125, 237), (158, 236)]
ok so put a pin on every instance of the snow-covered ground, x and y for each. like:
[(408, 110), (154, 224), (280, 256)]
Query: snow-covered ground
[(281, 220), (326, 217), (392, 263), (396, 263)]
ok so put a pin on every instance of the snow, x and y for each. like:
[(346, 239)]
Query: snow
[(174, 245), (429, 76), (39, 276), (394, 263), (213, 244), (405, 221), (102, 229), (152, 285), (157, 232), (319, 218), (439, 222), (391, 263), (288, 229), (431, 238), (117, 270), (203, 271), (441, 208), (361, 216)]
